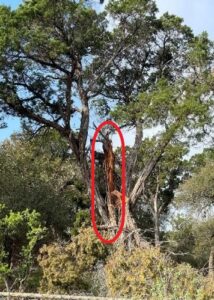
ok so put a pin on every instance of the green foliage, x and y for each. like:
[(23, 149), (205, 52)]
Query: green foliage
[(197, 192), (67, 267), (149, 70), (181, 240), (82, 219), (20, 233), (201, 51), (38, 174), (149, 274), (192, 240), (118, 7)]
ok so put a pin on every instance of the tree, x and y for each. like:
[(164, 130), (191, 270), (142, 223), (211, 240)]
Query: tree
[(195, 195), (161, 185), (38, 173), (191, 240), (55, 73), (196, 191)]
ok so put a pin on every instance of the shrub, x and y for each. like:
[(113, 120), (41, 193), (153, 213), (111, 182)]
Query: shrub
[(150, 274), (69, 266)]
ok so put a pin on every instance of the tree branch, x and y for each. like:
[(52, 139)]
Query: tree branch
[(150, 165)]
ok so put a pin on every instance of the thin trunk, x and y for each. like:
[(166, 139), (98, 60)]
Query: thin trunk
[(156, 215), (211, 262), (157, 230), (100, 203), (7, 288), (132, 232)]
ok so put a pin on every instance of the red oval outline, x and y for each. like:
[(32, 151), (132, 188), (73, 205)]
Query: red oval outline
[(123, 183)]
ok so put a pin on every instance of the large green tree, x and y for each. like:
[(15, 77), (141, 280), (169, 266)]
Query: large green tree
[(61, 62)]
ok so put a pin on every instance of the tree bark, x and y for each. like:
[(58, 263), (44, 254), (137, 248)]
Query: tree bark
[(157, 229), (156, 215), (132, 234), (7, 288), (211, 262)]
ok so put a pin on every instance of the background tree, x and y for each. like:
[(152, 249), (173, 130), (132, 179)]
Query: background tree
[(38, 173), (196, 193), (191, 240), (195, 196), (160, 187)]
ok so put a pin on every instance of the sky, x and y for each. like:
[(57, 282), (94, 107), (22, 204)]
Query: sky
[(196, 13)]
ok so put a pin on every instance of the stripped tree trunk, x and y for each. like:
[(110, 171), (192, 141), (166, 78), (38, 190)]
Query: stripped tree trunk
[(109, 165), (114, 200)]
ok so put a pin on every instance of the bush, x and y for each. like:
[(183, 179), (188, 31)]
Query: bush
[(70, 266), (149, 274)]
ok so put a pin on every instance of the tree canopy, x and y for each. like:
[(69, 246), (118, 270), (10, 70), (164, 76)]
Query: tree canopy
[(142, 71), (65, 66)]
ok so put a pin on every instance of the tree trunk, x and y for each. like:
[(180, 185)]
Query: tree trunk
[(7, 288), (132, 235), (156, 221), (157, 230), (211, 262)]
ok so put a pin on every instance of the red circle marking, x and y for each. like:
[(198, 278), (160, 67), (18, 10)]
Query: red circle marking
[(123, 185)]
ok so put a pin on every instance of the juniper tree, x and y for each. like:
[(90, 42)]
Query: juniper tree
[(62, 62)]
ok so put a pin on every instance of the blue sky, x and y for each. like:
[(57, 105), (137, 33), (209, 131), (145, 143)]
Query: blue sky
[(12, 3), (197, 14)]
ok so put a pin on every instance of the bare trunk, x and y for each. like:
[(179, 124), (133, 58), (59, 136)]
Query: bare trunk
[(211, 262), (7, 288), (156, 219), (132, 234), (157, 231)]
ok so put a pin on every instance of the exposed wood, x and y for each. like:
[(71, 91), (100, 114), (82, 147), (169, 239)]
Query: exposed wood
[(109, 165), (114, 201)]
